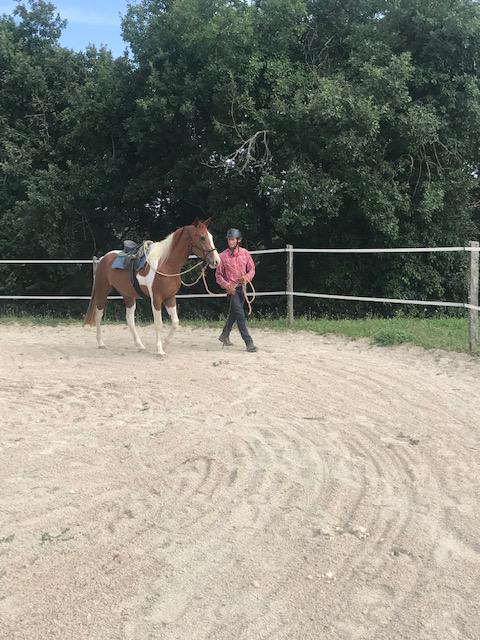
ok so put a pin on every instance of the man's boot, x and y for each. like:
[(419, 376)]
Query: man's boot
[(225, 340)]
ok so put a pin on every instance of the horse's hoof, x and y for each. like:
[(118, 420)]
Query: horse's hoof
[(140, 347), (161, 354), (102, 346)]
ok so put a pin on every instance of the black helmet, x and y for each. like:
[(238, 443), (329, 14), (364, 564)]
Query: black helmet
[(234, 233)]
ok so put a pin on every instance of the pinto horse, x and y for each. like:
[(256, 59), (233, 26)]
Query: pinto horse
[(160, 279)]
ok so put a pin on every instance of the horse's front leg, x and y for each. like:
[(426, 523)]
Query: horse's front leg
[(98, 320), (131, 306), (171, 308), (157, 319)]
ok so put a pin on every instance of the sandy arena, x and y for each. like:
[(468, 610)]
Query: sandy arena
[(320, 488)]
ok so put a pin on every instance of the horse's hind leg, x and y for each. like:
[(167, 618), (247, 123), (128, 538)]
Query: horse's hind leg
[(171, 308), (131, 305), (102, 289)]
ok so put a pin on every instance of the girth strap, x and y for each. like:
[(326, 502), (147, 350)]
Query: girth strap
[(134, 281)]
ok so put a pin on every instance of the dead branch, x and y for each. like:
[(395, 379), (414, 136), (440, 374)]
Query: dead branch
[(253, 153)]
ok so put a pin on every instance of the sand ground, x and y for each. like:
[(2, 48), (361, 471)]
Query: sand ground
[(320, 488)]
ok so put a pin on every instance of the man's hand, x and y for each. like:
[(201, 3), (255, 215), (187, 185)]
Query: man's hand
[(243, 280), (230, 290)]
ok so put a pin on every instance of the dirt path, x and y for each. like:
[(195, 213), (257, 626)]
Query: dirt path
[(319, 488)]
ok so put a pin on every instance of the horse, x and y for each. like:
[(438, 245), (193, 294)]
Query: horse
[(159, 280)]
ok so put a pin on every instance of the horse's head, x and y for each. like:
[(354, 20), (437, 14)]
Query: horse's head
[(202, 243)]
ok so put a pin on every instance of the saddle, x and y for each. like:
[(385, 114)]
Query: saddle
[(133, 259)]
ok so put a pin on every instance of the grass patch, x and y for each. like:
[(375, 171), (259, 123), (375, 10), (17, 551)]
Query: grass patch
[(446, 333), (38, 320), (390, 337)]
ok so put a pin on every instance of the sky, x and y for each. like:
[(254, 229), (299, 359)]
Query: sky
[(89, 22)]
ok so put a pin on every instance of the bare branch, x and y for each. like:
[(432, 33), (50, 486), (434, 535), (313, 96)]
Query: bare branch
[(253, 153), (439, 164)]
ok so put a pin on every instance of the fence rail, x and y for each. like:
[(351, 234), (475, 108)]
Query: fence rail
[(286, 249), (472, 306), (389, 250), (28, 261), (258, 294)]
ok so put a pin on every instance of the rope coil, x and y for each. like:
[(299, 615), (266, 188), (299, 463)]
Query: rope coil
[(248, 300)]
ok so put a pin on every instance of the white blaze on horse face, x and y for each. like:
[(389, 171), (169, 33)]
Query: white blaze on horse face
[(215, 256)]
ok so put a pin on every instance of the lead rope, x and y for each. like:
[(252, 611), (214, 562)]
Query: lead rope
[(248, 300), (214, 295), (245, 295), (190, 284)]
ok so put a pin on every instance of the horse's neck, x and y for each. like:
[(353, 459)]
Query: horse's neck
[(181, 246)]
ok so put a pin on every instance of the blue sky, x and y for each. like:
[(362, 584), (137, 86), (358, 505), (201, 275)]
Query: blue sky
[(88, 22)]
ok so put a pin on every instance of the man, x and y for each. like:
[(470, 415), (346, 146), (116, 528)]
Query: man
[(235, 270)]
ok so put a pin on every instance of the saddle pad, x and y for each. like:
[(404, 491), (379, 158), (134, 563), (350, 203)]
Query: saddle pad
[(123, 262)]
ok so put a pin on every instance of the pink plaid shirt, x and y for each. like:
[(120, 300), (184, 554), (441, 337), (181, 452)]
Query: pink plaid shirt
[(232, 268)]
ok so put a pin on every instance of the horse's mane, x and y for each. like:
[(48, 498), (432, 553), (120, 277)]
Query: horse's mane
[(159, 251)]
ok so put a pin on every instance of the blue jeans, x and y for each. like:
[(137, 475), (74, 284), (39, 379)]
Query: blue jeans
[(237, 314)]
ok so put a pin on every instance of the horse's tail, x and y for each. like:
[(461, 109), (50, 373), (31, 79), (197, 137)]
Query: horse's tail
[(92, 309)]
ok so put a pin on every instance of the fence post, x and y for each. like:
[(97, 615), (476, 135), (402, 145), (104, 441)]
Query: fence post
[(289, 285), (95, 262), (473, 297)]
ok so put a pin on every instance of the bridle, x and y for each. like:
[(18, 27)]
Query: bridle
[(206, 253)]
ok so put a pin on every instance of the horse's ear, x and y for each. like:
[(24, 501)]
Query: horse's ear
[(196, 222), (208, 221)]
